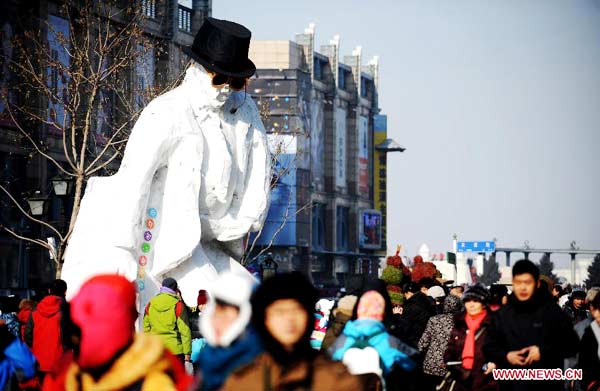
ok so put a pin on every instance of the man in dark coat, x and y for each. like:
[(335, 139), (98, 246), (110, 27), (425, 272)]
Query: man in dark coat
[(530, 332), (416, 312), (575, 307)]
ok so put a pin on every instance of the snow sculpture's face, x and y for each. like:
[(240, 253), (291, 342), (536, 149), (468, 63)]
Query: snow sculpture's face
[(216, 96)]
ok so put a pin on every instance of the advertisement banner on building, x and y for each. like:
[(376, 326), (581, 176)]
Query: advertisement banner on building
[(380, 174), (317, 145), (280, 225), (370, 229), (363, 155), (340, 147)]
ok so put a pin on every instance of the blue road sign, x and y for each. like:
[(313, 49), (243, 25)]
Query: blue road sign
[(476, 247)]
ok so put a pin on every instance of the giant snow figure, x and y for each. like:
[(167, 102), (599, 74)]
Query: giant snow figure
[(194, 179)]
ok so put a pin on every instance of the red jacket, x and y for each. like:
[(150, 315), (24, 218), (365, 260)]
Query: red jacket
[(43, 333)]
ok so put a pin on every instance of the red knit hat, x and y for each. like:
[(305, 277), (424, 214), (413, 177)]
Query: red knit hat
[(202, 297), (105, 311)]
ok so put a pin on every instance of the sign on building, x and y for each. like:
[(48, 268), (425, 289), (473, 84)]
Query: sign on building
[(340, 147), (363, 155)]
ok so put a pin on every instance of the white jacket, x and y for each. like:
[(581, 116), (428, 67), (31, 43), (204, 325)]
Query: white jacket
[(200, 170)]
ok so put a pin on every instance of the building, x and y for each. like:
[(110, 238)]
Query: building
[(322, 115), (168, 24)]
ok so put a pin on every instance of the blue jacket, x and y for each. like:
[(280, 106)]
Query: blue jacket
[(16, 359), (216, 363), (363, 333)]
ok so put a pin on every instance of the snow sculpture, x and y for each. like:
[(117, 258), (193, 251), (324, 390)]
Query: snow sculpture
[(194, 180)]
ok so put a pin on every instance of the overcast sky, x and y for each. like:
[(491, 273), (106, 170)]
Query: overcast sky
[(497, 103)]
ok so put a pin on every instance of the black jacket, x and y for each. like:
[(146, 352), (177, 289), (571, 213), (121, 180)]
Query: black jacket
[(589, 361), (415, 314), (538, 321)]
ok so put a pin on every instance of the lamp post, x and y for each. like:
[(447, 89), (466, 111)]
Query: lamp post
[(62, 185), (37, 203)]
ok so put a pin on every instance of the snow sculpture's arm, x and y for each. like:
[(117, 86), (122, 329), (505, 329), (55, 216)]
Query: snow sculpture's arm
[(250, 203), (143, 156)]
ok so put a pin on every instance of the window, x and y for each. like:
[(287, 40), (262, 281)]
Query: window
[(149, 8), (342, 213), (318, 226), (185, 18), (318, 69), (364, 87), (341, 79)]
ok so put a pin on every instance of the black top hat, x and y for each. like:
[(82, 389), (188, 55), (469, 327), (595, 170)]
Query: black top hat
[(222, 46)]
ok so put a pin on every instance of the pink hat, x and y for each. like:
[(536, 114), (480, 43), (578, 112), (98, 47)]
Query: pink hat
[(371, 305), (105, 311)]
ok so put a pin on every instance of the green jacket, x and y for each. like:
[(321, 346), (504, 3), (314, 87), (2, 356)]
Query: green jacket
[(160, 319)]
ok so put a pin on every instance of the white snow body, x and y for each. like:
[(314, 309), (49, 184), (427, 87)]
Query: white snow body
[(194, 180)]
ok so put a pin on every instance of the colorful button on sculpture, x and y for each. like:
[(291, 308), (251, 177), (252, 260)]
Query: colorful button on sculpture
[(150, 224), (145, 247), (143, 261), (152, 212), (147, 236)]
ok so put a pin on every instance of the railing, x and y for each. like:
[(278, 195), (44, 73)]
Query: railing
[(149, 8)]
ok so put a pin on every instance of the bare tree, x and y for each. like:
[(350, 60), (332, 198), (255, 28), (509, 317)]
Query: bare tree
[(80, 80)]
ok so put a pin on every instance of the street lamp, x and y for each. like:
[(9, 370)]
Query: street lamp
[(62, 185), (37, 203)]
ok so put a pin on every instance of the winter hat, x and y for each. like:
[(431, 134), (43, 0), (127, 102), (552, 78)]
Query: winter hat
[(371, 306), (525, 266), (476, 293), (202, 297), (170, 283), (233, 289), (346, 305), (578, 294), (380, 287), (436, 292), (293, 286), (452, 304), (105, 312)]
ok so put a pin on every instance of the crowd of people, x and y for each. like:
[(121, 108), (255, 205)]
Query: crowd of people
[(278, 335)]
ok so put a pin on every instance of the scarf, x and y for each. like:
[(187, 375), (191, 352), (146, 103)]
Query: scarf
[(473, 324), (596, 329), (164, 289)]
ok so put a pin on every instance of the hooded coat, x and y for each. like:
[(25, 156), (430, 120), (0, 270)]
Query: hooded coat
[(415, 314), (434, 341), (277, 369), (161, 319), (538, 321), (44, 332), (194, 180)]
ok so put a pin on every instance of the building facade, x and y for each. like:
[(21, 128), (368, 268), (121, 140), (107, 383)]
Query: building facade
[(320, 111), (168, 24)]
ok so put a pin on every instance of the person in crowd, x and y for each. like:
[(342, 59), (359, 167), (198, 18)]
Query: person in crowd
[(365, 345), (457, 290), (498, 296), (109, 354), (557, 292), (48, 331), (589, 349), (434, 341), (438, 295), (165, 316), (576, 308), (10, 318), (194, 313), (530, 331), (282, 315), (17, 363), (26, 306), (322, 315), (340, 315), (580, 327), (466, 343), (224, 324), (415, 314)]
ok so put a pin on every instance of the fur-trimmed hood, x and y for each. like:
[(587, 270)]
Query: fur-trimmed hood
[(234, 289)]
